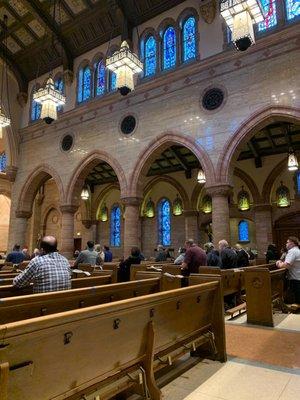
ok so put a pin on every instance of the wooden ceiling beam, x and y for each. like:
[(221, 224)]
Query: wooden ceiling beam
[(179, 157), (36, 8), (270, 139), (16, 70), (254, 151)]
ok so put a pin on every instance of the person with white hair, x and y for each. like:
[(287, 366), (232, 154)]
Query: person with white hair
[(228, 255), (161, 254)]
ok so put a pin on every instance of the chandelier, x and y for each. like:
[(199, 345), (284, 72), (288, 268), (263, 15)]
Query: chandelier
[(50, 98), (4, 120), (125, 64), (292, 161), (85, 193), (240, 15), (201, 178)]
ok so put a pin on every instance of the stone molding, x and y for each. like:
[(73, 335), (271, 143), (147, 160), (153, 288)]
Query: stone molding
[(88, 223), (190, 213), (11, 173), (22, 99), (131, 201), (221, 190), (262, 207), (68, 208), (68, 77), (23, 214)]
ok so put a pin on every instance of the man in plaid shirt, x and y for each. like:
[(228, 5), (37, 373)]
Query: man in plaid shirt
[(49, 272)]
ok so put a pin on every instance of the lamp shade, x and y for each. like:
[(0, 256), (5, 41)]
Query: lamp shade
[(292, 162), (124, 63), (201, 176), (85, 194), (4, 121)]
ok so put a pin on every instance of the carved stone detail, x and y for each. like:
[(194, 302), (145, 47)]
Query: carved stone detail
[(22, 98), (23, 214), (219, 190), (131, 201), (208, 10), (68, 77), (68, 208), (11, 173)]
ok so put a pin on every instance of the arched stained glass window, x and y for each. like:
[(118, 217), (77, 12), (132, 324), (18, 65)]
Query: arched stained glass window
[(59, 85), (115, 226), (292, 9), (298, 182), (283, 196), (112, 81), (189, 39), (100, 77), (3, 162), (270, 12), (164, 222), (206, 204), (84, 84), (243, 200), (169, 48), (150, 56), (36, 108), (243, 231)]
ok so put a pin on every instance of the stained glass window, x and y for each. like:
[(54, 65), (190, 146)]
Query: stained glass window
[(243, 200), (292, 9), (59, 85), (115, 226), (270, 13), (36, 109), (243, 231), (207, 204), (150, 56), (3, 162), (150, 209), (283, 196), (169, 47), (298, 182), (100, 75), (164, 222), (177, 206), (189, 39), (84, 84)]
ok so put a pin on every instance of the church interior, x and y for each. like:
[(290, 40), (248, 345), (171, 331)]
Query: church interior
[(151, 125)]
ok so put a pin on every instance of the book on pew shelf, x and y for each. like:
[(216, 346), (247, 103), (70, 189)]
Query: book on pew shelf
[(152, 268), (168, 275), (79, 271)]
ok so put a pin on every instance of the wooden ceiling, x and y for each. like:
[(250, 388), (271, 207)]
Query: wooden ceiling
[(79, 26)]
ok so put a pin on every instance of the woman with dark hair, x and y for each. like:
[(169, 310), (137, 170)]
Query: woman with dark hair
[(134, 258), (272, 253)]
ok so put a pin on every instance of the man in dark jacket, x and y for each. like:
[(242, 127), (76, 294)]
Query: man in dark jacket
[(228, 255), (134, 258), (16, 256)]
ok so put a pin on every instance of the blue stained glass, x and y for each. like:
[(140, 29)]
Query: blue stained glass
[(169, 43), (244, 231), (269, 8), (84, 84), (100, 78), (59, 85), (189, 39), (164, 222), (3, 162), (115, 226), (80, 80), (36, 109), (150, 56), (113, 81), (292, 9)]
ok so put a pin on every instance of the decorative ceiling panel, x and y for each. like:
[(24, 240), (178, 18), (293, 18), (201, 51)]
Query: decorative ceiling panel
[(37, 28), (25, 37), (60, 15), (10, 18), (18, 7), (76, 6), (12, 45)]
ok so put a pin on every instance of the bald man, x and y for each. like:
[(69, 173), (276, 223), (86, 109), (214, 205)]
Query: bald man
[(49, 272)]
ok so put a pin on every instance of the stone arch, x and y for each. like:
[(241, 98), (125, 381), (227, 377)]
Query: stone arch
[(269, 182), (39, 176), (174, 183), (195, 195), (46, 214), (246, 130), (85, 166), (103, 193), (257, 198), (155, 147)]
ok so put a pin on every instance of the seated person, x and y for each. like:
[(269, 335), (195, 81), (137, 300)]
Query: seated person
[(26, 254), (16, 256), (213, 257), (49, 272), (88, 256), (108, 256), (228, 255), (242, 256), (193, 259), (179, 260), (134, 258), (161, 254)]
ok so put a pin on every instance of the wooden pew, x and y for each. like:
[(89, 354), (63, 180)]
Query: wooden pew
[(167, 267), (263, 287), (11, 291), (167, 283), (108, 348), (14, 309)]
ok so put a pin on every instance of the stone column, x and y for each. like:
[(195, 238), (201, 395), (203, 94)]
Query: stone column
[(191, 225), (263, 228), (92, 226), (132, 224), (220, 212), (67, 229), (37, 229), (20, 227)]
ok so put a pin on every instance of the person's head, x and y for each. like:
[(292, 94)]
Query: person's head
[(48, 245), (98, 248), (90, 245), (208, 247), (106, 248), (238, 247), (182, 250), (16, 247), (189, 243), (36, 251), (135, 251), (160, 247), (25, 250), (292, 241), (223, 244)]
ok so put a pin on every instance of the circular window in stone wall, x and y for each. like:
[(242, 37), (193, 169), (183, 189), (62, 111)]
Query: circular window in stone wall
[(212, 99), (128, 125), (67, 142)]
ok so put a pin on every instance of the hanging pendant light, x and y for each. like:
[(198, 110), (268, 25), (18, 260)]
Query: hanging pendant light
[(4, 120), (50, 98), (292, 161), (125, 64), (201, 176), (240, 15), (85, 195)]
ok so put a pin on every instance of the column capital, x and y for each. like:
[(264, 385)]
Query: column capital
[(11, 172), (22, 98), (219, 190), (131, 201), (68, 208), (68, 77), (262, 207), (23, 214), (190, 213)]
